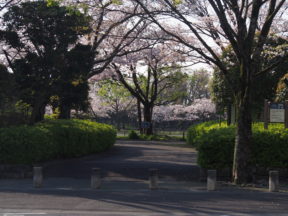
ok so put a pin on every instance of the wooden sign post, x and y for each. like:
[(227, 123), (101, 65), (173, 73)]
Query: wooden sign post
[(275, 113)]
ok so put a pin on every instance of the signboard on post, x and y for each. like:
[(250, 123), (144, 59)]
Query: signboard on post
[(277, 112)]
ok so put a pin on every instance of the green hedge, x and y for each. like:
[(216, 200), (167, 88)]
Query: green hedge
[(54, 139), (215, 145)]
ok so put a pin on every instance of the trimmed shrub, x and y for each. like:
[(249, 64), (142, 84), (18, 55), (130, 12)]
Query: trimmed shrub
[(215, 145), (215, 148), (54, 139), (133, 135), (196, 131)]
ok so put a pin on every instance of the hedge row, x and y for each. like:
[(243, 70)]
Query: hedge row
[(215, 145), (54, 139)]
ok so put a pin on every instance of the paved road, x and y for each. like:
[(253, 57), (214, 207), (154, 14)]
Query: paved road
[(125, 191), (131, 160), (65, 202)]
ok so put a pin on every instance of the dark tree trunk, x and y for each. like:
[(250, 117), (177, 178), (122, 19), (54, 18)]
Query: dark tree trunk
[(139, 116), (242, 151), (65, 112), (38, 112), (118, 123), (117, 117), (148, 110), (229, 112)]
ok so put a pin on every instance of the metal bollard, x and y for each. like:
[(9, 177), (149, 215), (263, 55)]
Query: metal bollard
[(96, 178), (37, 177), (153, 179), (211, 180), (273, 181)]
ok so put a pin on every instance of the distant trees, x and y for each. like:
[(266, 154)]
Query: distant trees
[(201, 110), (114, 100), (197, 86), (151, 76)]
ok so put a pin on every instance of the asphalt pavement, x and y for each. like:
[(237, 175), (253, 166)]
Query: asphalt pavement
[(124, 190)]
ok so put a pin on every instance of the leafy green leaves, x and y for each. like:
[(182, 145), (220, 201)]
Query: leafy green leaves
[(117, 2), (54, 58), (215, 145), (54, 139), (177, 2), (53, 3)]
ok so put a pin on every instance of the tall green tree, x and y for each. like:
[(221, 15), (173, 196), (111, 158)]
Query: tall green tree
[(72, 87), (42, 37)]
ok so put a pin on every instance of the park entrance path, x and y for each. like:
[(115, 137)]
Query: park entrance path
[(123, 167), (131, 161)]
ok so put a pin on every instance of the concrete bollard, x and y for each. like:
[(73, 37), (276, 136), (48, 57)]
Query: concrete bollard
[(37, 177), (96, 178), (211, 180), (153, 179), (273, 181)]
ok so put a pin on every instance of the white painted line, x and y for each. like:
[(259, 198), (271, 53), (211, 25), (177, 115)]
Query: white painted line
[(21, 214)]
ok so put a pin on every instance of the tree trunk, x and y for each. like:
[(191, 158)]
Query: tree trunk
[(65, 112), (229, 112), (139, 116), (38, 112), (148, 109), (117, 117), (241, 168)]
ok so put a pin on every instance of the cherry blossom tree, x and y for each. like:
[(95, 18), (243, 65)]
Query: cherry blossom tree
[(115, 27), (199, 110), (225, 22), (148, 75)]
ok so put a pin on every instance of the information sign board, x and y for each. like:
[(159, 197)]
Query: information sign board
[(277, 112)]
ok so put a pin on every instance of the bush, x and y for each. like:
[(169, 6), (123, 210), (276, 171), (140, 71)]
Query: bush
[(196, 131), (54, 139), (215, 145), (133, 135)]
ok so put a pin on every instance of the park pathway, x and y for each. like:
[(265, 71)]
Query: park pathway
[(130, 161), (123, 167)]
